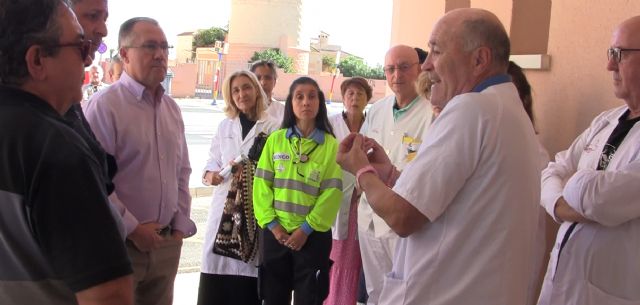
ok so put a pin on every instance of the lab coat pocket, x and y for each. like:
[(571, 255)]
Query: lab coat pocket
[(394, 290), (595, 296)]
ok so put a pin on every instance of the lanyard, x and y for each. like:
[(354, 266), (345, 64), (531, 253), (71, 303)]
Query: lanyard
[(302, 157)]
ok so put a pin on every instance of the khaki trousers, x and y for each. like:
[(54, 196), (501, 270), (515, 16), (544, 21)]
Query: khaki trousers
[(154, 272)]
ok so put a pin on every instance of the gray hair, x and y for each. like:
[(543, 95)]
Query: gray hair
[(265, 63), (23, 24), (484, 32), (126, 34)]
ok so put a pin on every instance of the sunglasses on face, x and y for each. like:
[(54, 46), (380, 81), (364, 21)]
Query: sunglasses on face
[(84, 46)]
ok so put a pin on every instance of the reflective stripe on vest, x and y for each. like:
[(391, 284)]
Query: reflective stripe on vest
[(329, 183), (292, 207), (295, 185), (264, 174)]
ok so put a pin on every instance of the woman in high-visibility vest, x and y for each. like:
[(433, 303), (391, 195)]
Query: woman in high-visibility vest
[(296, 195)]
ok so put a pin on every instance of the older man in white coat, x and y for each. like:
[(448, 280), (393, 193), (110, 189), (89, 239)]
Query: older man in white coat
[(592, 190), (397, 122), (467, 205)]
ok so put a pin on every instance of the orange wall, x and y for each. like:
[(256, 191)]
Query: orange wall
[(183, 83), (576, 87)]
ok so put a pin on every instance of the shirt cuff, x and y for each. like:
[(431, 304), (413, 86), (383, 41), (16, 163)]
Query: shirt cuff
[(549, 204), (184, 225), (573, 191), (272, 224), (306, 228)]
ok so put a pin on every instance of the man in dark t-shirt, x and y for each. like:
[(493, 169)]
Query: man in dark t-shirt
[(59, 241)]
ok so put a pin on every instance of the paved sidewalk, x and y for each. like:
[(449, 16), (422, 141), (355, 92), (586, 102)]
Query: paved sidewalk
[(186, 284)]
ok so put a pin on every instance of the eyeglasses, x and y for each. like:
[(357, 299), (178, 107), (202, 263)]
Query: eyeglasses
[(617, 53), (153, 47), (84, 46), (400, 68)]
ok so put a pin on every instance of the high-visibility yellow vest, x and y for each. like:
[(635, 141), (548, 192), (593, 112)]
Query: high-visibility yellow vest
[(292, 192)]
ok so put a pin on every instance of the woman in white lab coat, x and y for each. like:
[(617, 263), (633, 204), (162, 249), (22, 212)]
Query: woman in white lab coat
[(345, 251), (225, 280)]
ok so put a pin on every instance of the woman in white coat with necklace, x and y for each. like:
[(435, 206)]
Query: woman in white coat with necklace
[(345, 251), (224, 280)]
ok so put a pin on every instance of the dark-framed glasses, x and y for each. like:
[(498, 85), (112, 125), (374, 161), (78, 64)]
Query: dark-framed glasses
[(84, 46), (153, 47), (400, 68), (616, 53)]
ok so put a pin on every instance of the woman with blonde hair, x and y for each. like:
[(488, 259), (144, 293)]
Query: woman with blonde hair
[(226, 280)]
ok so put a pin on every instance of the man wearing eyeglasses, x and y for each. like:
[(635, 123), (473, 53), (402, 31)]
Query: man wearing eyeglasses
[(397, 122), (141, 126), (591, 189), (58, 244)]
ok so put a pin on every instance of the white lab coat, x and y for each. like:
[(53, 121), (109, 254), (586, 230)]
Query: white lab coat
[(476, 178), (377, 240), (226, 145), (600, 263), (340, 228), (380, 126), (276, 110)]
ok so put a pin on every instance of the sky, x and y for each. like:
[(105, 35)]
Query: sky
[(361, 27)]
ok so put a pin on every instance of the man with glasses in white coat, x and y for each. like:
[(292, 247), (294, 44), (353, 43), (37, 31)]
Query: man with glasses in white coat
[(592, 190), (397, 122)]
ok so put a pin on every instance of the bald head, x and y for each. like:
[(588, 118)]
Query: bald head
[(467, 46), (401, 68), (625, 63), (400, 51), (628, 28), (476, 28)]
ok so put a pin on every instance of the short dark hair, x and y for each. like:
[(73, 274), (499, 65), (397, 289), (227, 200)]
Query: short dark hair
[(357, 81), (322, 121), (422, 55), (126, 29), (25, 23), (265, 63), (484, 32)]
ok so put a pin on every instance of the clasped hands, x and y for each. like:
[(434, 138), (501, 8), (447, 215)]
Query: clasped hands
[(294, 241), (357, 151)]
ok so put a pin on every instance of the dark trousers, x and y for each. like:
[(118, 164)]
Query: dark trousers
[(306, 272), (217, 289)]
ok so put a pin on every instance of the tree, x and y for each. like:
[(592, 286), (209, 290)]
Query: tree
[(280, 59), (354, 66), (328, 63), (207, 38), (377, 72)]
